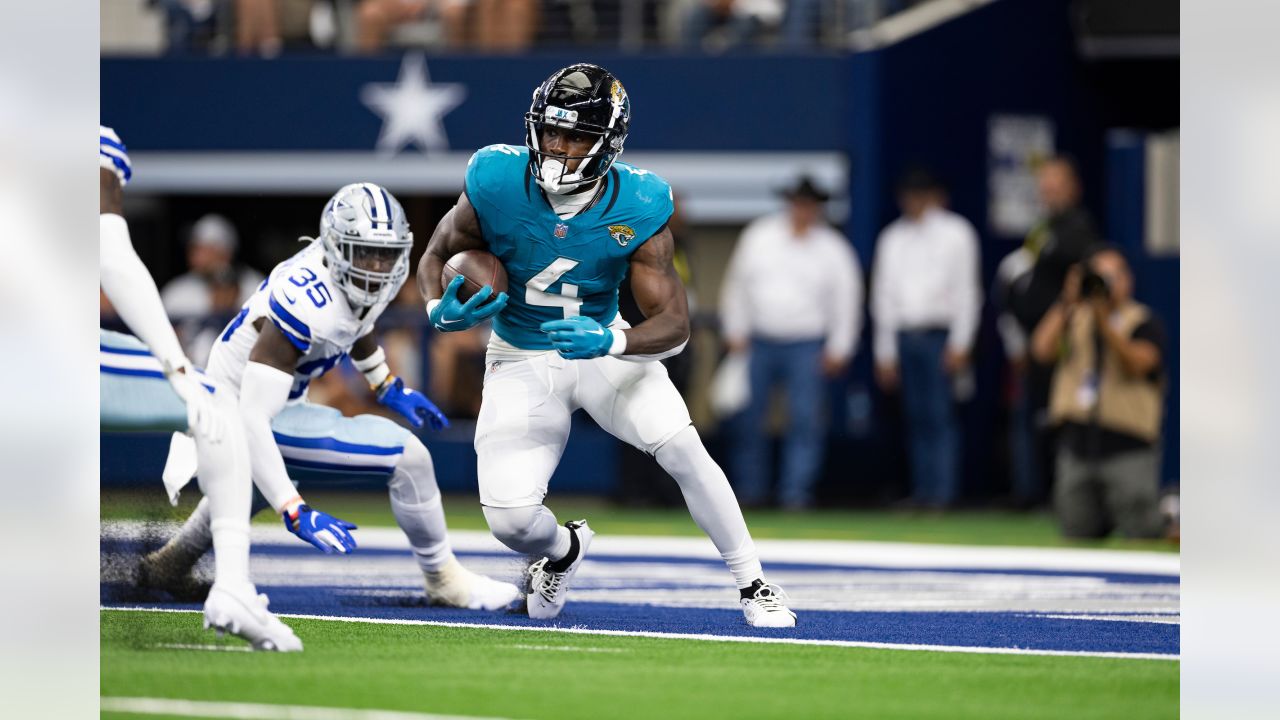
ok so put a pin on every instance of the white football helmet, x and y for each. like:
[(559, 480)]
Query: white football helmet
[(366, 242)]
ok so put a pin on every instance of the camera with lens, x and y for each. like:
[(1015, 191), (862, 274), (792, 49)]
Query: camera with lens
[(1094, 286)]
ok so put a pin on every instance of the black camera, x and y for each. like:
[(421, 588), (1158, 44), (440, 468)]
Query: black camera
[(1093, 285)]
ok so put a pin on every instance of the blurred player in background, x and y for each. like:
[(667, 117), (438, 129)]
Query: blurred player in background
[(134, 396), (315, 309), (567, 223)]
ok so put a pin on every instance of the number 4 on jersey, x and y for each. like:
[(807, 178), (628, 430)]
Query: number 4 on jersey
[(535, 291)]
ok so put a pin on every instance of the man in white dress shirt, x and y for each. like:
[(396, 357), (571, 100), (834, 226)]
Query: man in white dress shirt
[(925, 303), (792, 297)]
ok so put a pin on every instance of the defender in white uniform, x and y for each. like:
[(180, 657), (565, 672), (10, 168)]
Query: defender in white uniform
[(152, 385), (316, 308)]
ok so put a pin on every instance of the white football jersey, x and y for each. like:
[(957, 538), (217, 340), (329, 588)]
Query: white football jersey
[(309, 309)]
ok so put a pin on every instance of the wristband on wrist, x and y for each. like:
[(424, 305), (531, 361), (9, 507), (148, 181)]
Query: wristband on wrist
[(377, 389), (375, 368), (619, 345), (290, 506), (431, 305)]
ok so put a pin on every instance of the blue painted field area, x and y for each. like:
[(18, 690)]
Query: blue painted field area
[(1047, 601)]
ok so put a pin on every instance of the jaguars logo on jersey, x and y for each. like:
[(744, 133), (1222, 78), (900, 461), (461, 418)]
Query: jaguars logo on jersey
[(622, 233)]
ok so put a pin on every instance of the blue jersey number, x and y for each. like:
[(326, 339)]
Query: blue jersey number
[(318, 292)]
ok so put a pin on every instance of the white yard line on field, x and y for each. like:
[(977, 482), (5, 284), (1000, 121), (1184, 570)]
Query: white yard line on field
[(259, 711), (708, 637), (843, 553), (221, 648), (565, 648)]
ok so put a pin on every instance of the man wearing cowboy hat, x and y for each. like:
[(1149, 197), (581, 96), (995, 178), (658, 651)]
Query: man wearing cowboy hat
[(925, 305), (792, 298)]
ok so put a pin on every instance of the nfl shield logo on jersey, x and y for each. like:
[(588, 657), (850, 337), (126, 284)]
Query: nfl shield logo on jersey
[(622, 233), (561, 230)]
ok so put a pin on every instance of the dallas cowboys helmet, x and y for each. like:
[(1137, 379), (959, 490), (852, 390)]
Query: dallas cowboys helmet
[(587, 99), (366, 243)]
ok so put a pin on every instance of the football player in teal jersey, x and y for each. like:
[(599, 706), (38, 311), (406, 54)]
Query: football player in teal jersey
[(567, 221)]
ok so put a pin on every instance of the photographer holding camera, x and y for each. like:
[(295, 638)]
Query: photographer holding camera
[(1106, 398)]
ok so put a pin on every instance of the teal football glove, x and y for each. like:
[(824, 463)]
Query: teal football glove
[(579, 337), (451, 314)]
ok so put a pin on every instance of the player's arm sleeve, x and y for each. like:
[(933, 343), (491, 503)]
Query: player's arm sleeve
[(846, 297), (264, 390), (968, 298), (885, 336), (133, 292), (289, 312)]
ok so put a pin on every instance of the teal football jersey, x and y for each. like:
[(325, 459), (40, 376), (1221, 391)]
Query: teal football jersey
[(560, 268)]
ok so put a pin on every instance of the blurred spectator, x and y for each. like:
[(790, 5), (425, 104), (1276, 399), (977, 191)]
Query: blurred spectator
[(738, 22), (805, 20), (200, 299), (506, 25), (1012, 276), (792, 297), (1107, 396), (1059, 241), (925, 302), (1056, 243), (376, 19), (265, 27), (189, 24)]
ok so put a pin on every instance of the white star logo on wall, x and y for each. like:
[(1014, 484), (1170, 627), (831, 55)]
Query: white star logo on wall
[(412, 109)]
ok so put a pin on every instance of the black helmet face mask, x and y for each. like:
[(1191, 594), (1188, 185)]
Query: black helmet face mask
[(585, 100)]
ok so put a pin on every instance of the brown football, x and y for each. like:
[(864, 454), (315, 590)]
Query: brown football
[(480, 268)]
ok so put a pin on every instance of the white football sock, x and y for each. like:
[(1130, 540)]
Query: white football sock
[(417, 506), (711, 503), (531, 530), (227, 487)]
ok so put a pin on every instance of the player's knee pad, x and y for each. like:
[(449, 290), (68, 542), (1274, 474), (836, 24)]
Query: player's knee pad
[(523, 529), (413, 481)]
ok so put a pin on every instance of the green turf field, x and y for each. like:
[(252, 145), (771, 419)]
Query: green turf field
[(521, 674), (971, 527)]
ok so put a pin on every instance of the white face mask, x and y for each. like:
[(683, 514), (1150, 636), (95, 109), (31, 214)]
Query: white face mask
[(551, 180)]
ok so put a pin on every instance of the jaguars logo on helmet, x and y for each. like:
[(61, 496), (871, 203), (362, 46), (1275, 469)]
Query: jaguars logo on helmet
[(586, 99)]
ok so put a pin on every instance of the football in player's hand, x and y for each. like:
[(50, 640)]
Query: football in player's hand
[(480, 268)]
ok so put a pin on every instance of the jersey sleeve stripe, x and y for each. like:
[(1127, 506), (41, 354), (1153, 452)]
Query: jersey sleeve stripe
[(302, 345), (235, 323), (299, 328), (112, 143), (118, 166)]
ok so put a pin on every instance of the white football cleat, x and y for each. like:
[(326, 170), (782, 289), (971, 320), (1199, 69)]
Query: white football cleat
[(765, 607), (239, 610), (549, 589), (455, 586)]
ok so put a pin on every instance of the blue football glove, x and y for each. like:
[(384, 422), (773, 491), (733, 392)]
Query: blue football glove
[(326, 532), (451, 315), (413, 405), (579, 337)]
